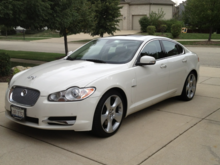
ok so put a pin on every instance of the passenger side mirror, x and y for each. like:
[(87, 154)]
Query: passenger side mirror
[(147, 60)]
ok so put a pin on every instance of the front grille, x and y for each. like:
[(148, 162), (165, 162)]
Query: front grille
[(24, 96)]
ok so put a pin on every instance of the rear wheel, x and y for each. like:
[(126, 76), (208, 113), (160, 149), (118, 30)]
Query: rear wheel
[(109, 114), (189, 88)]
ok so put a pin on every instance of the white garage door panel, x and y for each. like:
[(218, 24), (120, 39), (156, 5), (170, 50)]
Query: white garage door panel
[(135, 22)]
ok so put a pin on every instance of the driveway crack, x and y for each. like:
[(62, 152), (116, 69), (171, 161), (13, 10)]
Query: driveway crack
[(177, 137), (54, 145)]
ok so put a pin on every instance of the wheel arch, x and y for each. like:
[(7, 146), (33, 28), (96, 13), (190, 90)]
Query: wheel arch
[(123, 95), (121, 91), (194, 71)]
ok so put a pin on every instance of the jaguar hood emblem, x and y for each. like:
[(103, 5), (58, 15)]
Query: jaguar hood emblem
[(31, 77)]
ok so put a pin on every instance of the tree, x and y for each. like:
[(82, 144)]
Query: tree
[(203, 13), (71, 17), (35, 14), (10, 13), (154, 17), (107, 13)]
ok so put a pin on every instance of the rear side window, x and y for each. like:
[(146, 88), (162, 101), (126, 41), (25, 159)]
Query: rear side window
[(171, 48), (180, 49), (153, 49)]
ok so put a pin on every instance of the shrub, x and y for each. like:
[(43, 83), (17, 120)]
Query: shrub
[(163, 28), (144, 23), (176, 30), (151, 30), (170, 22), (10, 31), (5, 66), (15, 71)]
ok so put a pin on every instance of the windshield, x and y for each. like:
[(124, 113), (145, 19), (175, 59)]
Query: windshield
[(107, 51)]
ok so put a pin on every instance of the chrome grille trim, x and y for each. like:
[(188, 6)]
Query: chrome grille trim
[(28, 100)]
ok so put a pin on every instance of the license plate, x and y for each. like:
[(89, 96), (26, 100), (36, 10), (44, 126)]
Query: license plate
[(18, 112)]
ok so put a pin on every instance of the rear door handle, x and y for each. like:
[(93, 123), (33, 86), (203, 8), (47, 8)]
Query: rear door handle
[(184, 60), (163, 66)]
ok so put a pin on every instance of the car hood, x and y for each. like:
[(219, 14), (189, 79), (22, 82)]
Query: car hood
[(62, 74)]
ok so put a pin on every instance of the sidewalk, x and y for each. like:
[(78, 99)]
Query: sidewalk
[(172, 132)]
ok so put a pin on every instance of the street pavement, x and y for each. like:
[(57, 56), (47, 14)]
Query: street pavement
[(84, 36), (209, 56), (172, 132)]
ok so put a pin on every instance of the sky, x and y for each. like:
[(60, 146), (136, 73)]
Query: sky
[(178, 1)]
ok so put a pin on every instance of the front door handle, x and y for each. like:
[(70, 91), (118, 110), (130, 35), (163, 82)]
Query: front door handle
[(163, 66)]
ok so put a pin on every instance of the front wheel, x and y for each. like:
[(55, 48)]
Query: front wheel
[(109, 114), (189, 88)]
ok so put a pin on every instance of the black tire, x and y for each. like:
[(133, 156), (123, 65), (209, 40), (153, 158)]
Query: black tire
[(109, 114), (189, 88)]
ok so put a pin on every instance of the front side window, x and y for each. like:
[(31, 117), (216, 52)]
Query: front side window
[(172, 48), (153, 49), (107, 51)]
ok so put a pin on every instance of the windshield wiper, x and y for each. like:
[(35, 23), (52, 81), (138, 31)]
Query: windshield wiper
[(70, 58), (94, 60)]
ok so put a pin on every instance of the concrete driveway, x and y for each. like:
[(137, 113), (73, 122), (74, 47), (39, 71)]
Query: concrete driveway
[(169, 133)]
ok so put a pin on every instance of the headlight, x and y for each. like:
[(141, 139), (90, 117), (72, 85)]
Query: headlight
[(71, 94)]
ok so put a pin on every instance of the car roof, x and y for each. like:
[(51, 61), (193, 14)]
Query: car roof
[(136, 37)]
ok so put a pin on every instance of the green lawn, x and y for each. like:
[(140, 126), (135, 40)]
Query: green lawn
[(13, 64), (41, 56), (198, 36), (21, 38), (188, 35)]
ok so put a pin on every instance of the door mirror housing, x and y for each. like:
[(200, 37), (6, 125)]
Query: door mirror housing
[(147, 60), (69, 53)]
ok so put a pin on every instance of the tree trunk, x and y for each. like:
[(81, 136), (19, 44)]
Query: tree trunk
[(101, 35), (24, 34), (65, 42), (210, 33), (6, 32)]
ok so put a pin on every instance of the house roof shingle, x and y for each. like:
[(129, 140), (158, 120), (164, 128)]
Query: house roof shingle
[(167, 2)]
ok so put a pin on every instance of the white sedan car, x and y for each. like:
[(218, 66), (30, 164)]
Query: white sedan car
[(101, 83)]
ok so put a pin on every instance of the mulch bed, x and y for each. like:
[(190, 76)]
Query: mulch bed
[(5, 78)]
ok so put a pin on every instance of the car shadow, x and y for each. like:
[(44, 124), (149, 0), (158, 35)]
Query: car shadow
[(56, 135)]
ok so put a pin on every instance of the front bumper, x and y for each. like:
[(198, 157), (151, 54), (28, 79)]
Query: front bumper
[(40, 115)]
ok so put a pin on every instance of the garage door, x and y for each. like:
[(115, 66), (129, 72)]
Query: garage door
[(120, 24), (135, 22)]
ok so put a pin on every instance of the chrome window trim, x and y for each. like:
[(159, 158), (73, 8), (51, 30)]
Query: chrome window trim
[(155, 39), (160, 40), (184, 51)]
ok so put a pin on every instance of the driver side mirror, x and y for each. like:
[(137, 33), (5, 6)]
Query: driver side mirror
[(146, 60)]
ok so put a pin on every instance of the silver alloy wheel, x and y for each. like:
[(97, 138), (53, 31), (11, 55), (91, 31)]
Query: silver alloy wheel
[(112, 113), (191, 86)]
